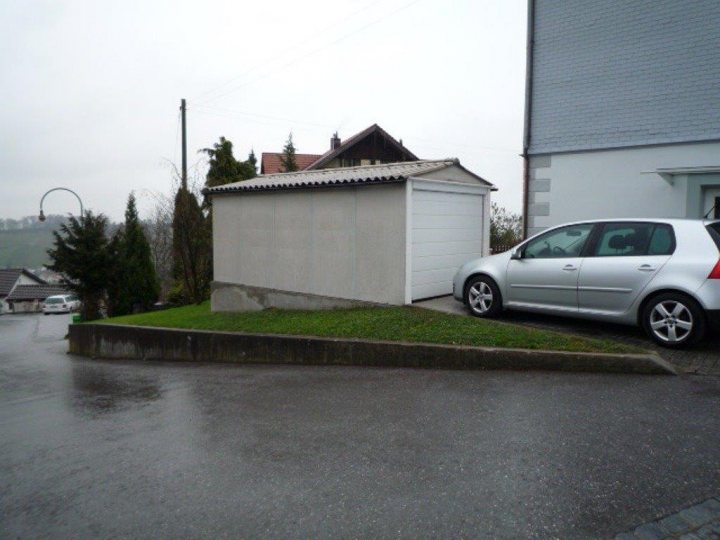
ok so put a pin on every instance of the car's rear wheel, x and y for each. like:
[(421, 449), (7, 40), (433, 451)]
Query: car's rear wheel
[(482, 297), (674, 320)]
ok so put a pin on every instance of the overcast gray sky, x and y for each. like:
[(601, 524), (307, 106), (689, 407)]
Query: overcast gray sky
[(91, 89)]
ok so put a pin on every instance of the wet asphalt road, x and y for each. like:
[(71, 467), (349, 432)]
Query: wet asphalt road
[(150, 450)]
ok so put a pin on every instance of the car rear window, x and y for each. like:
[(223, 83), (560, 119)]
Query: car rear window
[(54, 300), (714, 230), (662, 241)]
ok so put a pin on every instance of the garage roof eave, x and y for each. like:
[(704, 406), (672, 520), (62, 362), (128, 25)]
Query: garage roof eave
[(386, 173)]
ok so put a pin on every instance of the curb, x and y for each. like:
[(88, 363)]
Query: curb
[(148, 343)]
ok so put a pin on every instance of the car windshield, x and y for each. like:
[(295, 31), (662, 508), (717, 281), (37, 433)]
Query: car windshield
[(55, 300)]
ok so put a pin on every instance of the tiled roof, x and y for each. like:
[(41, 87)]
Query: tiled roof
[(367, 174), (9, 277), (351, 141), (271, 164), (35, 292)]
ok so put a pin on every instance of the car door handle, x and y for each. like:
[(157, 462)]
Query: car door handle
[(569, 268), (646, 268)]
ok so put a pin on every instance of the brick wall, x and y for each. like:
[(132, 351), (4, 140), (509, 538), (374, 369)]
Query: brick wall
[(613, 73)]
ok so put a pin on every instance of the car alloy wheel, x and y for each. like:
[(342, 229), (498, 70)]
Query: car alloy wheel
[(482, 297), (671, 321), (674, 320)]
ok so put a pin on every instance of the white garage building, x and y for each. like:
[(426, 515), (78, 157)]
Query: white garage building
[(389, 233)]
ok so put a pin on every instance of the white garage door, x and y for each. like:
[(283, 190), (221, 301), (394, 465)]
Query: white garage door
[(447, 231)]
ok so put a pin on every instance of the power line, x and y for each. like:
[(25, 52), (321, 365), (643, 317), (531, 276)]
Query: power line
[(311, 53), (308, 38), (464, 145), (220, 110)]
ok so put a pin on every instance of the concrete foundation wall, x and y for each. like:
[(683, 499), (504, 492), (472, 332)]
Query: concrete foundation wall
[(229, 297), (338, 242), (615, 184)]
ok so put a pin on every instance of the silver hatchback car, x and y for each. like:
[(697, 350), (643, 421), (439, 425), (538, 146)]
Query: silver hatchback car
[(661, 274)]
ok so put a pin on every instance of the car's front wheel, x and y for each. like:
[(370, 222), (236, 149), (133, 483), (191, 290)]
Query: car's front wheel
[(482, 297), (674, 320)]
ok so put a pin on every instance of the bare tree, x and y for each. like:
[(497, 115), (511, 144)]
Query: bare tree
[(180, 239), (158, 230)]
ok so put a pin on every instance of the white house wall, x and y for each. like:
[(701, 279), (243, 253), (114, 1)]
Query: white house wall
[(615, 184), (338, 242)]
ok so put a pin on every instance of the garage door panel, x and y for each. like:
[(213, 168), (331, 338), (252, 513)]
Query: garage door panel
[(429, 290), (447, 222), (443, 208), (445, 248), (438, 275), (421, 236), (447, 231), (442, 196), (454, 260)]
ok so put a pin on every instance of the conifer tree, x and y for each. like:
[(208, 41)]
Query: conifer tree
[(224, 168), (192, 248), (80, 253), (252, 160), (133, 284), (287, 160)]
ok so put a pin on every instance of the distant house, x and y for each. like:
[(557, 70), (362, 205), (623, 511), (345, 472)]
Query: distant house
[(21, 291), (29, 298), (372, 146), (622, 115), (270, 162)]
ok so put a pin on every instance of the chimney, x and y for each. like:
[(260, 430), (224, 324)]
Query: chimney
[(334, 141)]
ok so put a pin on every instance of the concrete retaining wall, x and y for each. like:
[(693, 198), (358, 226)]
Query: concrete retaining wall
[(142, 343)]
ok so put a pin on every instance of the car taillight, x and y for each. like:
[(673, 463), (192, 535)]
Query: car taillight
[(715, 274)]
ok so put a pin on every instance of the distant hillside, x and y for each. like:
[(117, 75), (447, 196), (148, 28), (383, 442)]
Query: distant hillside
[(24, 242), (25, 247)]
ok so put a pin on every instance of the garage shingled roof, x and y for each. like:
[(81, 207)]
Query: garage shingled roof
[(344, 176)]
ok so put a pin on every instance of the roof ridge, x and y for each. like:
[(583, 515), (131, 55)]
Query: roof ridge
[(354, 167), (353, 139)]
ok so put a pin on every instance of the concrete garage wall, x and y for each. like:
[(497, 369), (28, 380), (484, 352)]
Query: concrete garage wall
[(336, 242), (615, 184)]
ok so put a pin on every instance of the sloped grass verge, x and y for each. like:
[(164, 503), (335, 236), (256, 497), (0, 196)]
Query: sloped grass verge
[(407, 324)]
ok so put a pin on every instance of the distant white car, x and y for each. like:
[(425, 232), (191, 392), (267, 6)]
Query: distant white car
[(61, 303)]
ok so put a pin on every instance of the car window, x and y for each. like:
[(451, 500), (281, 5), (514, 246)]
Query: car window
[(662, 241), (714, 230), (624, 239), (564, 242), (634, 239)]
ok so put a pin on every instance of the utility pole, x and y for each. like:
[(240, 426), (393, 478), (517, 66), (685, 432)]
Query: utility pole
[(184, 145)]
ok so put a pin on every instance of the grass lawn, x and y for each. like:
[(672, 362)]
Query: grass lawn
[(386, 323)]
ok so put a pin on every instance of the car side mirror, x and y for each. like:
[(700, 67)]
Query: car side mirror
[(516, 255)]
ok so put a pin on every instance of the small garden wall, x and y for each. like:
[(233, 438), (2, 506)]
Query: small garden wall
[(143, 343)]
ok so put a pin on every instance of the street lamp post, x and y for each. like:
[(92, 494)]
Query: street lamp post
[(41, 217)]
